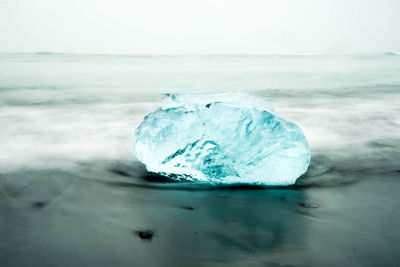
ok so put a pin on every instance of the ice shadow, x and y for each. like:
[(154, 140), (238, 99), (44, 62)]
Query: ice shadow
[(322, 172)]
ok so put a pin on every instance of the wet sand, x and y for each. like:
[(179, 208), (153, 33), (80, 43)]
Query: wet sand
[(111, 218)]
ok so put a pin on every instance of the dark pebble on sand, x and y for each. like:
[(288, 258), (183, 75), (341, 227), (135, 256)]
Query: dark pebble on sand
[(145, 235), (188, 208)]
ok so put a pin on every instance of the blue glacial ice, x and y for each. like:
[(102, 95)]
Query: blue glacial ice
[(225, 138)]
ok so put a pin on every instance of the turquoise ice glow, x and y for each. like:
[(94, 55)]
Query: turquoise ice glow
[(227, 138)]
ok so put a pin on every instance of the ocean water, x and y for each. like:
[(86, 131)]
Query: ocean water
[(72, 193)]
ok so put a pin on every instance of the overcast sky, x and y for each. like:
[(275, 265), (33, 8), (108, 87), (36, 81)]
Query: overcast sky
[(200, 27)]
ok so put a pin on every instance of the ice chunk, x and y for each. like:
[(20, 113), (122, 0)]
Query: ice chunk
[(226, 138)]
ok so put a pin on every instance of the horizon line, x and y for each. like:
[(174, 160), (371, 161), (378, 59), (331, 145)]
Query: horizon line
[(200, 54)]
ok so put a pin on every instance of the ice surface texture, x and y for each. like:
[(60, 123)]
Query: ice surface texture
[(226, 138)]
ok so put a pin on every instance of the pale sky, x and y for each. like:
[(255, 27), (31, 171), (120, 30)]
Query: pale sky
[(200, 27)]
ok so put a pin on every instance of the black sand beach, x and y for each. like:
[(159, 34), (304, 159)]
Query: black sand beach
[(54, 218)]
